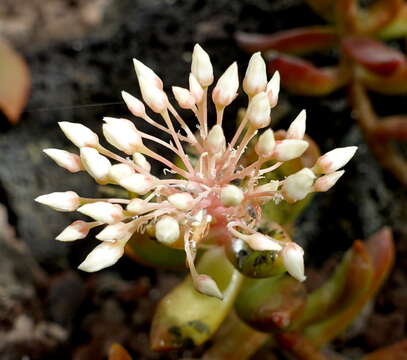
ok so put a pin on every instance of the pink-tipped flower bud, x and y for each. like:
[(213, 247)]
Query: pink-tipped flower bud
[(289, 149), (293, 259), (153, 96), (255, 80), (184, 98), (297, 127), (147, 73), (65, 159), (195, 88), (135, 106), (138, 183), (226, 88), (258, 111), (297, 186), (273, 89), (122, 134), (137, 206), (266, 143), (231, 195), (79, 134), (324, 183), (60, 201), (118, 172), (141, 161), (216, 142), (182, 201), (103, 211), (206, 285), (114, 232), (77, 230), (167, 230), (334, 160), (201, 66), (96, 165)]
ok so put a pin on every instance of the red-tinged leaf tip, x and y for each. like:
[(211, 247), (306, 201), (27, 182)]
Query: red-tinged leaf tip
[(118, 352), (392, 128), (302, 77), (14, 82), (373, 55), (296, 41)]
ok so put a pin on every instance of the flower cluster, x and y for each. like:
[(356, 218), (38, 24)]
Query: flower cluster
[(211, 191)]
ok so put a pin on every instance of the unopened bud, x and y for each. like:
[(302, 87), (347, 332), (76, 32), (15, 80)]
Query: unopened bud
[(293, 259), (225, 90), (184, 98), (95, 164), (60, 201), (122, 134), (153, 96), (167, 230), (137, 206), (201, 66), (141, 161), (118, 172), (138, 183), (77, 230), (297, 127), (65, 159), (265, 144), (273, 89), (269, 187), (114, 232), (258, 111), (289, 149), (147, 73), (207, 286), (231, 195), (297, 186), (324, 183), (334, 159), (216, 142), (79, 134), (261, 242), (255, 79), (135, 106), (103, 211), (182, 201), (195, 88)]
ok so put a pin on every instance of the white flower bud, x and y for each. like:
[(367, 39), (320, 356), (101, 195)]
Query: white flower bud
[(265, 144), (231, 195), (297, 127), (167, 230), (104, 255), (135, 106), (269, 187), (182, 201), (114, 232), (195, 88), (289, 149), (140, 160), (225, 90), (118, 172), (137, 206), (153, 96), (261, 242), (207, 286), (147, 73), (293, 259), (103, 211), (201, 66), (77, 230), (216, 142), (334, 159), (255, 79), (273, 89), (297, 186), (258, 111), (65, 159), (79, 134), (324, 183), (96, 165), (138, 183), (122, 134), (60, 201), (184, 98)]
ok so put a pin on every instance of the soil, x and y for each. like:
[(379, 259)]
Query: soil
[(79, 53)]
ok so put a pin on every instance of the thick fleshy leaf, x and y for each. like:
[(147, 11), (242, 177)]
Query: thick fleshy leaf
[(374, 55), (270, 304), (324, 8), (396, 83), (392, 128), (299, 346), (14, 82), (397, 351), (302, 77), (397, 27), (118, 352), (185, 317), (295, 41)]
